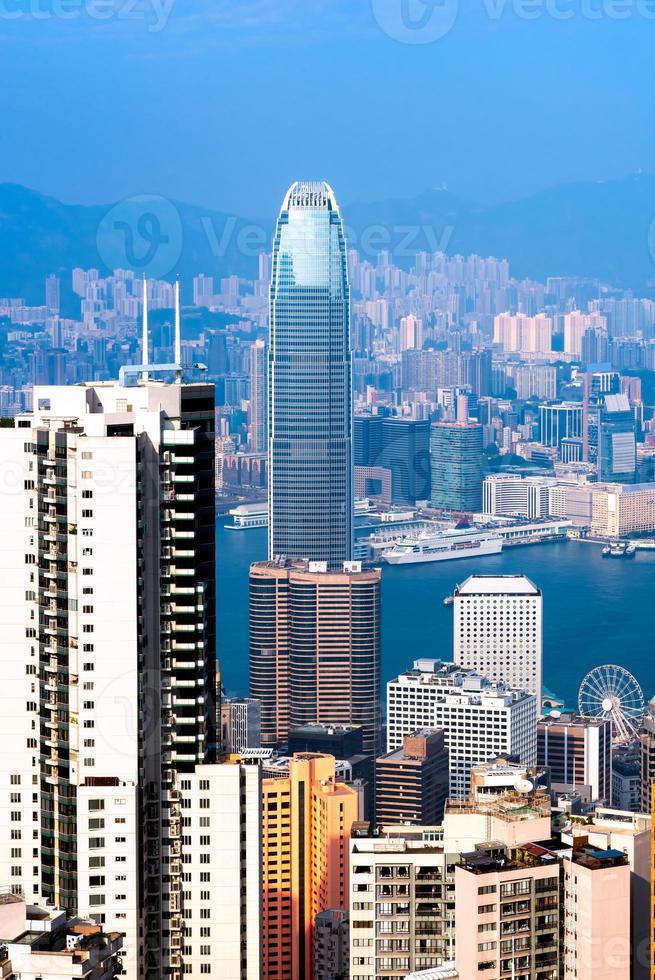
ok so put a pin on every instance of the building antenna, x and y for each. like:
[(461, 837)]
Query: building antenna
[(177, 357), (144, 328)]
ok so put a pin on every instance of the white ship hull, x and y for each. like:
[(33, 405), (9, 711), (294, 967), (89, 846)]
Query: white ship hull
[(419, 553)]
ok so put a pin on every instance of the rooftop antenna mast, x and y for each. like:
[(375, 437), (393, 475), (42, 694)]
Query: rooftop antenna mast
[(177, 357), (144, 328)]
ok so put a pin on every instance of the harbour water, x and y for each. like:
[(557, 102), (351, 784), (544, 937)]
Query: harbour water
[(595, 611)]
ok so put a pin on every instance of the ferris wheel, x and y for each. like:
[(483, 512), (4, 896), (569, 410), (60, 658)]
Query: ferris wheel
[(612, 692)]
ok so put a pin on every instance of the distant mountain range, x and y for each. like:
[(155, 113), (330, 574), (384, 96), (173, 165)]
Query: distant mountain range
[(598, 230)]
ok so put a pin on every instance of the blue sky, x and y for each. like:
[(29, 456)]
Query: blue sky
[(225, 102)]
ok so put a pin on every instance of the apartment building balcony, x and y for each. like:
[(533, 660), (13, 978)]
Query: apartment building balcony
[(515, 927), (514, 968)]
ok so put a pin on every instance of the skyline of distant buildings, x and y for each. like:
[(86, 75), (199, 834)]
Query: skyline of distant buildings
[(274, 836)]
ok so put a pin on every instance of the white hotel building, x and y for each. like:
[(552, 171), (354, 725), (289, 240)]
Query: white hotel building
[(480, 719), (498, 630), (222, 870)]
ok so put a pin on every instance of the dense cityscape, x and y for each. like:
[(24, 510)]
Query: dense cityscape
[(457, 820)]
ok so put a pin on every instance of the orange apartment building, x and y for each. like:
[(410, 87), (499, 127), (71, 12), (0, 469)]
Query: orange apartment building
[(307, 817)]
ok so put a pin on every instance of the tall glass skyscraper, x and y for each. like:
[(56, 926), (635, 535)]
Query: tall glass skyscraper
[(310, 396), (456, 458)]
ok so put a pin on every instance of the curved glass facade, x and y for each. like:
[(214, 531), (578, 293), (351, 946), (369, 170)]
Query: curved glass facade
[(310, 396)]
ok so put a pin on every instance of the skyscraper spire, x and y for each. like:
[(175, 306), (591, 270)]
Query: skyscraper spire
[(178, 334), (144, 328)]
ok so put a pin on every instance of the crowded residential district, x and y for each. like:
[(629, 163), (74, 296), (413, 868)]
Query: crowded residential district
[(457, 818)]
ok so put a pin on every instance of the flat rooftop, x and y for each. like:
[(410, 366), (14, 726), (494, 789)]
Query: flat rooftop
[(497, 585)]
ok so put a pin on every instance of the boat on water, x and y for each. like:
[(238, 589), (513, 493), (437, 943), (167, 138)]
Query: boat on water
[(448, 601), (458, 542), (621, 549)]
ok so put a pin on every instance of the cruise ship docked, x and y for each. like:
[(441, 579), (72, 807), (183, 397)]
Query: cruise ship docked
[(444, 546)]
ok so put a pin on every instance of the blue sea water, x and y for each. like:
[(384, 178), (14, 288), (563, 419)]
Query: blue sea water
[(596, 611)]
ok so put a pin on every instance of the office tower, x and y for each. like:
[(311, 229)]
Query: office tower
[(401, 901), (480, 720), (616, 460), (456, 466), (241, 724), (556, 422), (269, 626), (626, 780), (578, 752), (393, 449), (410, 335), (315, 647), (647, 744), (258, 438), (222, 854), (367, 439), (53, 293), (331, 955), (570, 450), (405, 452), (411, 783), (576, 325), (310, 387), (307, 817), (598, 381), (497, 630), (107, 604), (40, 942)]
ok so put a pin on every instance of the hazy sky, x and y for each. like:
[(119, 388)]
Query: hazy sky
[(225, 102)]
